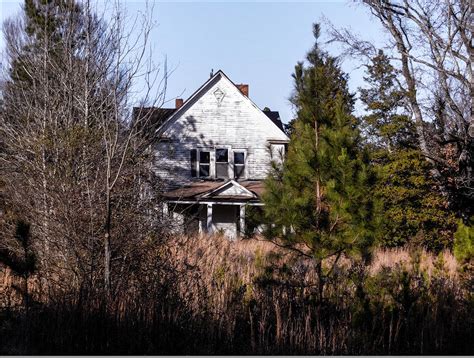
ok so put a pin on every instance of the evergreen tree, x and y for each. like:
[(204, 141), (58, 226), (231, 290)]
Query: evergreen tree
[(319, 202), (20, 257), (47, 26), (413, 209), (386, 126), (464, 242)]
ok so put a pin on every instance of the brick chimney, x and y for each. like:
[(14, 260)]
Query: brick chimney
[(244, 89), (178, 103)]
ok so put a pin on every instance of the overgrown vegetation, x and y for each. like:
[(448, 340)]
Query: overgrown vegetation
[(252, 297), (368, 240), (414, 211), (317, 203)]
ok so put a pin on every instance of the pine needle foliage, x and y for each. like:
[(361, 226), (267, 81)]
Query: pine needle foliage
[(464, 241), (318, 202), (414, 211)]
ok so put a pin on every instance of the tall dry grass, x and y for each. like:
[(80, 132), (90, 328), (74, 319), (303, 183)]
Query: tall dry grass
[(253, 289), (208, 295)]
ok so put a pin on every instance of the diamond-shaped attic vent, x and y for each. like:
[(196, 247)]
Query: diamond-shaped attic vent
[(219, 94)]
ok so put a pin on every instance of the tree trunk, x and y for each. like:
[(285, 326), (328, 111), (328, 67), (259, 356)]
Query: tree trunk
[(412, 98), (318, 184), (107, 253)]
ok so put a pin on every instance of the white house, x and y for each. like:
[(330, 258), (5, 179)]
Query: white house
[(213, 153)]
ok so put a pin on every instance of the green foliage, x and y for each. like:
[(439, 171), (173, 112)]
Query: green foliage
[(319, 201), (386, 126), (45, 24), (409, 304), (21, 258), (219, 274), (464, 241), (414, 211)]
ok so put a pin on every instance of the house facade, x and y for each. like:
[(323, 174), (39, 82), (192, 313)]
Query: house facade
[(213, 152)]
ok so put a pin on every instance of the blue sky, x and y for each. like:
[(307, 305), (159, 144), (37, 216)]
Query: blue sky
[(253, 42)]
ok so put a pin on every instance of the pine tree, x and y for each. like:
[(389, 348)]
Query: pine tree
[(386, 126), (46, 27), (318, 203), (413, 209), (21, 258)]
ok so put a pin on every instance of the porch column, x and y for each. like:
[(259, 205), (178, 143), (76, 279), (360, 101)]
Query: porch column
[(209, 218), (242, 220), (165, 210), (201, 225)]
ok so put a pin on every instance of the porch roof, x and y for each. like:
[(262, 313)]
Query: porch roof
[(210, 189)]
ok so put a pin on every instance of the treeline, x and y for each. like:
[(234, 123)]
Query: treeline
[(90, 265), (74, 161)]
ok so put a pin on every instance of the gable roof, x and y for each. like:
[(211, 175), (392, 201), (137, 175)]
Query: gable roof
[(151, 118), (272, 115), (210, 189), (157, 115), (230, 189), (275, 117)]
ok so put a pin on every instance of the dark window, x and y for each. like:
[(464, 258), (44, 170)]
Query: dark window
[(222, 163), (239, 158), (204, 164), (204, 157), (239, 165), (193, 162), (222, 156)]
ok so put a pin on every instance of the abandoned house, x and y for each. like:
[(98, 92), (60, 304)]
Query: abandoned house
[(213, 153)]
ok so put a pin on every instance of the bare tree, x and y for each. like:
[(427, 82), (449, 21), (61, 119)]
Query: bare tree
[(73, 158), (429, 41)]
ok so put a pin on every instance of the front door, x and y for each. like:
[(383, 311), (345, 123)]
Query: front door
[(225, 219)]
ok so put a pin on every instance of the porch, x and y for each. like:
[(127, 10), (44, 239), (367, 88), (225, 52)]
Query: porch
[(212, 207), (225, 218)]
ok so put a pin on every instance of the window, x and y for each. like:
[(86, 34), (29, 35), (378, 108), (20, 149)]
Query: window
[(222, 163), (193, 162), (204, 164), (239, 165)]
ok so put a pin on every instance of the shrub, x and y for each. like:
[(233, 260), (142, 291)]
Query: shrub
[(464, 241)]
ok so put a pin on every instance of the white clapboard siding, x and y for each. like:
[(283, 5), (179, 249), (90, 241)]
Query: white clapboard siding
[(206, 122)]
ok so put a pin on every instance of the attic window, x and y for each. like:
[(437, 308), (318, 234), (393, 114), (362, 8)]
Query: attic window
[(222, 163), (219, 94)]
